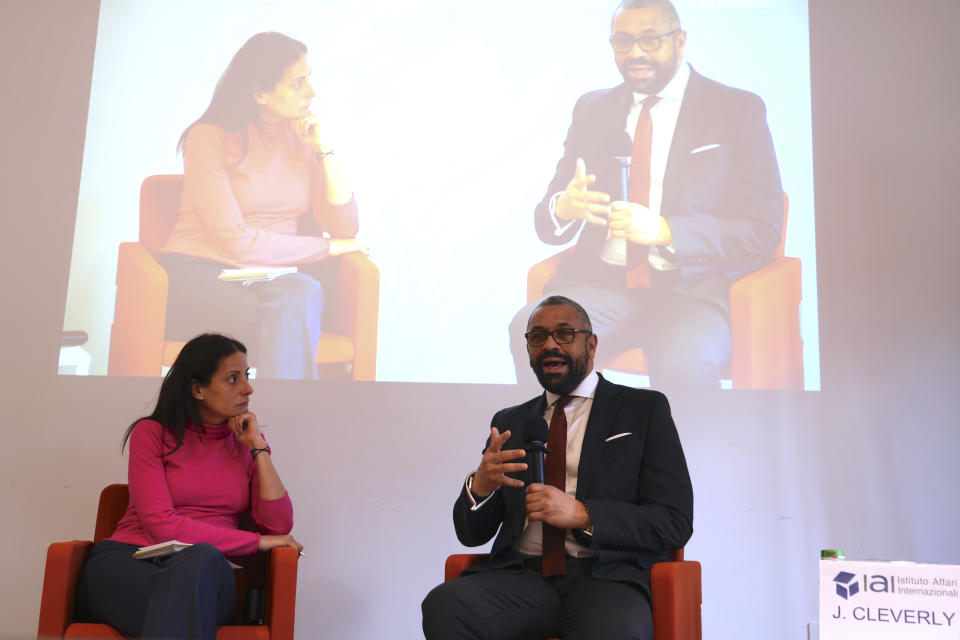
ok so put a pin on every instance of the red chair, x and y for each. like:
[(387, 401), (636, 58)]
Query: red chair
[(275, 573), (347, 347), (767, 351), (674, 585)]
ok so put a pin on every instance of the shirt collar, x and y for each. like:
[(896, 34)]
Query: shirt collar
[(221, 430), (586, 389), (674, 89)]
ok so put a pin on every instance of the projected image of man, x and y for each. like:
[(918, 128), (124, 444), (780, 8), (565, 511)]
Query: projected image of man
[(573, 547), (658, 245)]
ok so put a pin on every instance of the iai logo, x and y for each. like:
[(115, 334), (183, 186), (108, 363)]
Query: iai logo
[(846, 584)]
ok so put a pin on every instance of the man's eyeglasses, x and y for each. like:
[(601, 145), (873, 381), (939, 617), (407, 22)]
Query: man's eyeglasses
[(538, 337), (623, 42)]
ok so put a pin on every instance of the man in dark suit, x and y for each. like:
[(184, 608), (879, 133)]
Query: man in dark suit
[(573, 554), (703, 205)]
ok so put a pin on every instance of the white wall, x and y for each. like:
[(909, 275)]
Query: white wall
[(867, 464)]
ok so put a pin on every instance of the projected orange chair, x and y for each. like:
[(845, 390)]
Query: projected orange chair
[(767, 351), (347, 347), (275, 573), (674, 585)]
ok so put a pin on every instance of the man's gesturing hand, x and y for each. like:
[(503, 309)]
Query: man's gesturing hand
[(578, 202), (490, 475), (548, 504)]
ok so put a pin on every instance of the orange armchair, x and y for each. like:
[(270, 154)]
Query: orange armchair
[(275, 573), (674, 585), (767, 351), (348, 345)]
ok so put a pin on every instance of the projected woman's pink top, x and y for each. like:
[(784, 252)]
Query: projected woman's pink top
[(246, 213), (197, 493)]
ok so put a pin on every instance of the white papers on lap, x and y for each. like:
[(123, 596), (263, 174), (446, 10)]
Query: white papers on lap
[(249, 275), (160, 549)]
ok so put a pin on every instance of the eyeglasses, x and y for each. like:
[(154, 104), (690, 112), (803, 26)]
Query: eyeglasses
[(623, 42), (538, 337)]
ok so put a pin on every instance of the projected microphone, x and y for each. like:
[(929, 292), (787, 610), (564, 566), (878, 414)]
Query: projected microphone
[(623, 159), (623, 163), (535, 433)]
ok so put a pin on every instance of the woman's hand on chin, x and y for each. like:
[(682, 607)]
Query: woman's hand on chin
[(307, 129), (245, 430)]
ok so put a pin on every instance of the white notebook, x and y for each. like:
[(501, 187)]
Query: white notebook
[(160, 549), (254, 274)]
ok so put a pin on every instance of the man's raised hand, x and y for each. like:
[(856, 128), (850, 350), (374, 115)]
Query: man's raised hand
[(578, 202), (495, 464)]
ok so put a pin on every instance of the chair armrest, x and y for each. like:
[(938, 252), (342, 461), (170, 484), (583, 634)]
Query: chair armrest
[(676, 594), (281, 595), (358, 310), (60, 586), (458, 562), (765, 327), (140, 313)]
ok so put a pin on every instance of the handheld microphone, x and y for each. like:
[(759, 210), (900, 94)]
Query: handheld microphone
[(535, 432), (622, 160), (623, 163)]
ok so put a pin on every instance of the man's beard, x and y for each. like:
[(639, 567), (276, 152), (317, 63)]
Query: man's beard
[(561, 384), (663, 72)]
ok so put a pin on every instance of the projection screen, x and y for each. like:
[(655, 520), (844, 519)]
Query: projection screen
[(448, 119)]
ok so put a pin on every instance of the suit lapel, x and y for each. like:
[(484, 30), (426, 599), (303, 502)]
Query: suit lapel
[(540, 407), (690, 123), (606, 404), (618, 140)]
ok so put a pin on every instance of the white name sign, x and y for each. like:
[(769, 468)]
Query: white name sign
[(889, 601)]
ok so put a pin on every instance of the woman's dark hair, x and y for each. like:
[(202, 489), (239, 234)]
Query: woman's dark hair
[(257, 66), (196, 364)]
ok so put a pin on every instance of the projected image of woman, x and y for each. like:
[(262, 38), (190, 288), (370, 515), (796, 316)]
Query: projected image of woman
[(197, 463), (254, 163)]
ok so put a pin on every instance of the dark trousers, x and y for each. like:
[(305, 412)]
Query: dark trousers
[(278, 320), (183, 595), (686, 340), (514, 604)]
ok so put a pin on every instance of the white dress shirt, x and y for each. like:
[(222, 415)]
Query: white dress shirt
[(577, 412)]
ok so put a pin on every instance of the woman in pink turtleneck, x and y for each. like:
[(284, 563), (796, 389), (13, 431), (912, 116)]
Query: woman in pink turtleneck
[(260, 188), (197, 464)]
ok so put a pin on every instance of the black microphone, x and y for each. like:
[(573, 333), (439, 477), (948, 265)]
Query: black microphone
[(535, 432)]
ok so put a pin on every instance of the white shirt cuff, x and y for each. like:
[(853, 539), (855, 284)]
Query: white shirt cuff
[(474, 505), (559, 228)]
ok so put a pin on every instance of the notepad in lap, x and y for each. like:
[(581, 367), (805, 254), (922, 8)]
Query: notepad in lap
[(254, 274), (160, 549)]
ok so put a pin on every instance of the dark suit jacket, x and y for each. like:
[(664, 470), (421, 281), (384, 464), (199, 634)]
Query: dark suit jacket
[(636, 487), (724, 203)]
